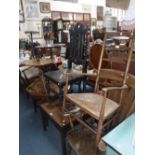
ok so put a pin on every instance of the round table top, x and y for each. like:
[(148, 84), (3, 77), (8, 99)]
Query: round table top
[(50, 46), (40, 63)]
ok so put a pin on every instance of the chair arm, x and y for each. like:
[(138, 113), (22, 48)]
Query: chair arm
[(114, 88)]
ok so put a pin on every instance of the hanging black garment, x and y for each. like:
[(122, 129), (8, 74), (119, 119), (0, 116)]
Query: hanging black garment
[(78, 47)]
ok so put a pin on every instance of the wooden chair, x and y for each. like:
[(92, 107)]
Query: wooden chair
[(38, 91), (101, 109), (114, 57), (28, 74)]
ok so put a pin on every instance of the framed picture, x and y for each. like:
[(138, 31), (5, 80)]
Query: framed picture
[(86, 17), (93, 21), (99, 12), (78, 16), (31, 10), (56, 15), (67, 15), (21, 12), (45, 7), (39, 34)]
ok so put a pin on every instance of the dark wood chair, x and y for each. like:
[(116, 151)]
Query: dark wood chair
[(103, 110)]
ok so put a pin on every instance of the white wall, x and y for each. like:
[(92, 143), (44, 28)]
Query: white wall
[(90, 6)]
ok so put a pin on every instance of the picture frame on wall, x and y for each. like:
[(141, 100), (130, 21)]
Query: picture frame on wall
[(21, 12), (31, 10), (39, 33), (99, 12), (45, 7), (93, 21)]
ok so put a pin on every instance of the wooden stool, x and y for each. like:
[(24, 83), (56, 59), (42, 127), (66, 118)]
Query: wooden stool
[(53, 112)]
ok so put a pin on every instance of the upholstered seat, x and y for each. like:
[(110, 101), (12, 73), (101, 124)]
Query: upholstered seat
[(91, 103)]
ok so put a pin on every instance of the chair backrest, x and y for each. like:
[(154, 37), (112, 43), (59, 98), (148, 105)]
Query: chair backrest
[(118, 47), (127, 100), (128, 50)]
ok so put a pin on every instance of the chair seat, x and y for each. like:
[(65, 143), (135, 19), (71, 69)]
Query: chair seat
[(82, 142), (92, 102), (36, 89), (30, 73), (54, 110)]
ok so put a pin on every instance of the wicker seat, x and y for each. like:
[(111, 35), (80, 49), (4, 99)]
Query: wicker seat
[(92, 103)]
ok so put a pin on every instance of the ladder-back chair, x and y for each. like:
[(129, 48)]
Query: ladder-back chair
[(100, 108)]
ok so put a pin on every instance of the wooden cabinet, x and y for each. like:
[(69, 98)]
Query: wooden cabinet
[(72, 17), (62, 22), (67, 16)]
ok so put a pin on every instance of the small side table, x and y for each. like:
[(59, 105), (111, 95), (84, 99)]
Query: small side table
[(53, 112), (121, 139)]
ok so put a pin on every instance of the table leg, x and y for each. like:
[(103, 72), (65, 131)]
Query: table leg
[(63, 141), (35, 105)]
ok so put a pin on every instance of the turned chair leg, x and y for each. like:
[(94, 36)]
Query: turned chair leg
[(35, 105), (69, 149), (44, 120)]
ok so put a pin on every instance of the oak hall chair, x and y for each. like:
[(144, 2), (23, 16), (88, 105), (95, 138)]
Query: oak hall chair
[(101, 109)]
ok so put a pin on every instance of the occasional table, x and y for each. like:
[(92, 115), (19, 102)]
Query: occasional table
[(38, 63), (121, 139), (53, 112), (43, 64)]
